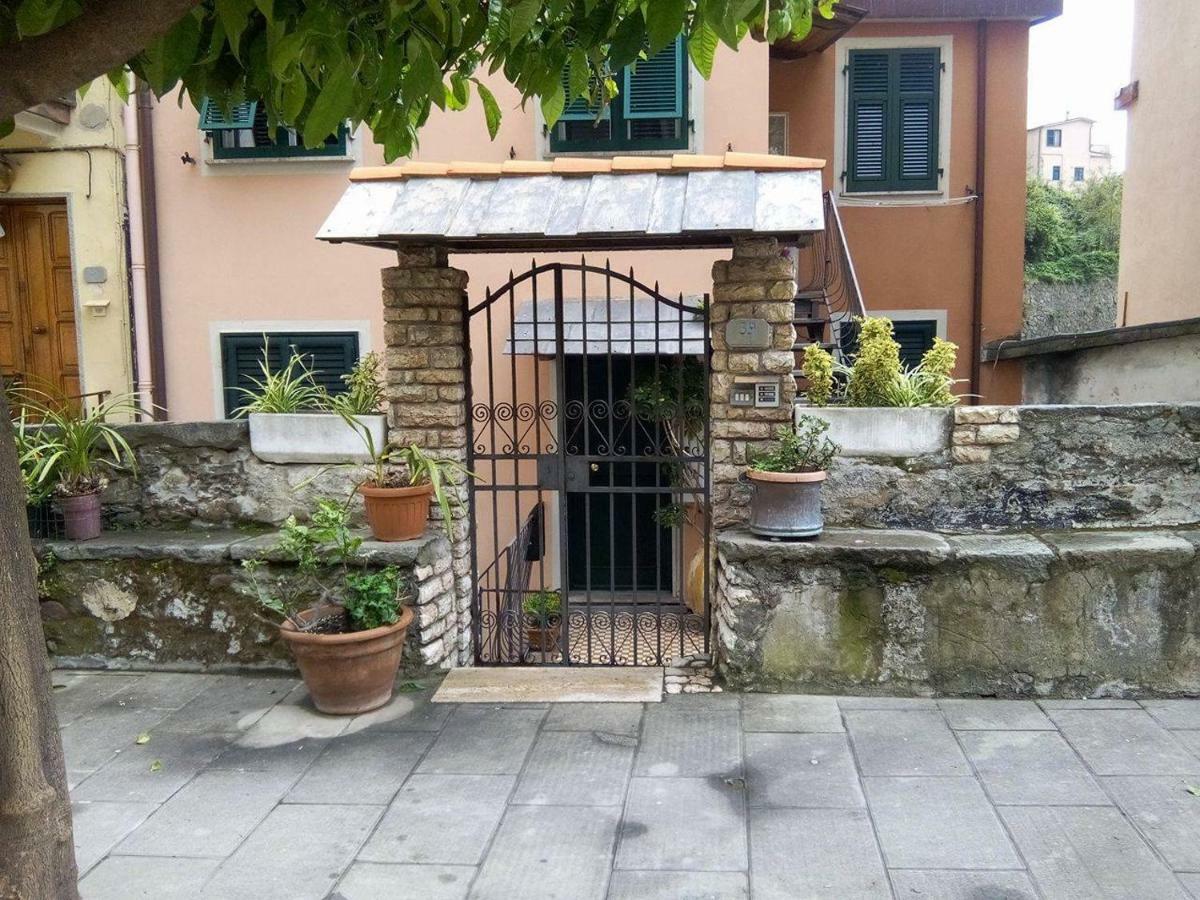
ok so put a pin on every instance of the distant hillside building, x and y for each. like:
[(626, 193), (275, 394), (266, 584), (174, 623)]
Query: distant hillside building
[(1063, 154)]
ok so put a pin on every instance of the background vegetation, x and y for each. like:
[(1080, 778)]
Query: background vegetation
[(1073, 236)]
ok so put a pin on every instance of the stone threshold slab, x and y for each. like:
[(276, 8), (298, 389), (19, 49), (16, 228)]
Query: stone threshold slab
[(563, 684)]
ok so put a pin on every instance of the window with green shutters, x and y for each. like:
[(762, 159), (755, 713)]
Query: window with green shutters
[(914, 336), (651, 112), (892, 120), (243, 133), (330, 355)]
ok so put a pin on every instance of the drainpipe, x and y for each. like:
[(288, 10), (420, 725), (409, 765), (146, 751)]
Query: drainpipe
[(981, 34), (143, 255)]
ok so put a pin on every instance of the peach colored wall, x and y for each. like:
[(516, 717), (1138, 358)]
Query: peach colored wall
[(920, 257), (237, 240)]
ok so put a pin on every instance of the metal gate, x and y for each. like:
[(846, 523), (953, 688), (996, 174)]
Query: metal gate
[(588, 431)]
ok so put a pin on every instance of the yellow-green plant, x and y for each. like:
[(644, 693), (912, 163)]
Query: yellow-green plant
[(818, 369), (877, 367), (938, 364)]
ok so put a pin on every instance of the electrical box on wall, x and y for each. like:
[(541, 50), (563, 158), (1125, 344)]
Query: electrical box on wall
[(759, 392)]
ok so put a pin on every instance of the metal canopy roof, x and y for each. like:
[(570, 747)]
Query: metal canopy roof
[(617, 325), (623, 203)]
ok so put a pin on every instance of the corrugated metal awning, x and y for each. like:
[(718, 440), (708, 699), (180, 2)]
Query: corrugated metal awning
[(618, 326), (634, 202)]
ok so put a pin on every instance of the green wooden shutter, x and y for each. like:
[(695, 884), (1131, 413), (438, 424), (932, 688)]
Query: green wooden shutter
[(330, 355), (241, 115), (653, 87), (578, 110), (892, 128)]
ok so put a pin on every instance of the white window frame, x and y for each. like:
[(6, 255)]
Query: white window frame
[(284, 165), (945, 45), (361, 327), (938, 316)]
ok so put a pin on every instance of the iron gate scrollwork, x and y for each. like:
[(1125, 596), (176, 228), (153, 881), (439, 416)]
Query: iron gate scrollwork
[(588, 430)]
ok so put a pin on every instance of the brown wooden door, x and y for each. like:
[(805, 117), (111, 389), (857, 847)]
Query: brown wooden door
[(37, 302)]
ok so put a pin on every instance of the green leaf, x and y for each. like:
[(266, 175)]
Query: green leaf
[(664, 22), (524, 14), (702, 48), (156, 766), (143, 738), (578, 74), (491, 109), (267, 8), (234, 15), (1193, 790), (332, 105), (628, 42), (553, 103), (169, 58), (294, 94), (37, 16)]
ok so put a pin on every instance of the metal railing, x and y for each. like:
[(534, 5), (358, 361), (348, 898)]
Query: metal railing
[(831, 276)]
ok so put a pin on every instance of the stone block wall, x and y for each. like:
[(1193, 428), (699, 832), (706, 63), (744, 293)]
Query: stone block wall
[(756, 283), (424, 302), (890, 611)]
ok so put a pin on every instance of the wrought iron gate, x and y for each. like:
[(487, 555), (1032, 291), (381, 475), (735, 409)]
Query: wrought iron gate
[(588, 431)]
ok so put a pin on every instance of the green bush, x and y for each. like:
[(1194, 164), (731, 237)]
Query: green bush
[(804, 448), (1073, 236), (542, 606), (818, 370), (876, 365)]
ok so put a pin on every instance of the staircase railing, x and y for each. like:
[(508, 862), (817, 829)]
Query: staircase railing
[(834, 274)]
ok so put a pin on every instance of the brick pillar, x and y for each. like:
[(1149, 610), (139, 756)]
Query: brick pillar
[(423, 301), (757, 283)]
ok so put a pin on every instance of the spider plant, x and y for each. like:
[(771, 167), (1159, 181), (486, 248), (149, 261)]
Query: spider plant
[(364, 390), (291, 389), (70, 447)]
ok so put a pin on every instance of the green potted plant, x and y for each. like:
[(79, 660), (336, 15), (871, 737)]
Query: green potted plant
[(295, 420), (542, 611), (69, 449), (344, 622), (398, 489), (45, 521), (786, 481)]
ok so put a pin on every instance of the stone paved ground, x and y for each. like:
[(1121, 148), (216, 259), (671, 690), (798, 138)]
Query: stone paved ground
[(241, 790)]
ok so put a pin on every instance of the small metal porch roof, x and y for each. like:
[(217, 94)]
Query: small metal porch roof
[(637, 202)]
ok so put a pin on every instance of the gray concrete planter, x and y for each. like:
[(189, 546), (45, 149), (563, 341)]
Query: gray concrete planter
[(885, 431), (786, 504), (313, 437)]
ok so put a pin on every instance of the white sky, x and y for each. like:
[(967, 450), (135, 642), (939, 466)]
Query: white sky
[(1078, 62)]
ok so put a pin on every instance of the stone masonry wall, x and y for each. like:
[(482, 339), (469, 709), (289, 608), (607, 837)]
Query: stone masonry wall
[(424, 301), (756, 283)]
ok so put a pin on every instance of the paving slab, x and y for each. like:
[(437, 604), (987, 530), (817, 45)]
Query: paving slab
[(210, 816), (549, 852), (925, 885), (1124, 742), (995, 715), (153, 771), (483, 741), (147, 878), (791, 712), (100, 825), (938, 823), (886, 702), (691, 743), (406, 711), (684, 824), (609, 718), (385, 881), (1166, 812), (814, 853), (1174, 714), (577, 768), (160, 690), (367, 767), (80, 693), (720, 701), (441, 819), (1086, 703), (1191, 881), (229, 704), (901, 742), (801, 770), (93, 739), (297, 853), (1190, 740), (551, 684), (1088, 852), (1031, 767), (678, 886)]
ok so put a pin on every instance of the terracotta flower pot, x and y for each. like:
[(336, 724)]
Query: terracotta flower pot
[(397, 514), (81, 516), (543, 637), (348, 673), (786, 504)]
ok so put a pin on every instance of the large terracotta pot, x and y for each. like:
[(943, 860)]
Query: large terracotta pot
[(397, 514), (81, 516), (786, 504), (350, 673)]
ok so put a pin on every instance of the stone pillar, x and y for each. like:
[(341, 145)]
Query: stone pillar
[(757, 283), (423, 300)]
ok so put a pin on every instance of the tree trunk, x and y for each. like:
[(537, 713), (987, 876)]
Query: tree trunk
[(37, 855)]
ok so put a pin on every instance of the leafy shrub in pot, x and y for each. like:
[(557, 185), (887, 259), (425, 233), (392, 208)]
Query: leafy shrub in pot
[(543, 620), (344, 622), (786, 481)]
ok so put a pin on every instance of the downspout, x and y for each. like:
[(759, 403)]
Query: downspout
[(145, 293), (981, 35)]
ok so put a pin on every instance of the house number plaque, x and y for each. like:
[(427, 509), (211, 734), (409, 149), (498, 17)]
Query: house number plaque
[(748, 334)]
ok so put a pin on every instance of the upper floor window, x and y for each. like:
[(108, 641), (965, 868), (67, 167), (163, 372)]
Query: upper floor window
[(1056, 173), (892, 120), (245, 134), (1079, 173), (1053, 137), (650, 113)]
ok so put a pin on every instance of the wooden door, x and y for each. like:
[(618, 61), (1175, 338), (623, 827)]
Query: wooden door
[(37, 304)]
